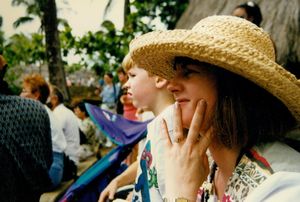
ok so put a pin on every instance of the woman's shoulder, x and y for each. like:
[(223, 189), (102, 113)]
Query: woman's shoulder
[(280, 156), (279, 186)]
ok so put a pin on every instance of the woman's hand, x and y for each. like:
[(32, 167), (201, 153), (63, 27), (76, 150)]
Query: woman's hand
[(186, 160)]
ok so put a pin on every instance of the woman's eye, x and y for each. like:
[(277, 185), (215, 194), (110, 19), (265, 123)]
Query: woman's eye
[(186, 72)]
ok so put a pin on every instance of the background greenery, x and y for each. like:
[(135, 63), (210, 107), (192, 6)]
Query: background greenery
[(101, 51)]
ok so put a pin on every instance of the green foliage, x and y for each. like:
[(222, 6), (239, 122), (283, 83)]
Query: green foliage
[(103, 50), (32, 10), (67, 40), (22, 51), (107, 47), (27, 50), (167, 11), (73, 68), (22, 20)]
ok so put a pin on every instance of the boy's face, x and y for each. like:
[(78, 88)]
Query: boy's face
[(191, 84), (140, 87)]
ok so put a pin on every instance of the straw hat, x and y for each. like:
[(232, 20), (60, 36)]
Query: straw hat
[(228, 42)]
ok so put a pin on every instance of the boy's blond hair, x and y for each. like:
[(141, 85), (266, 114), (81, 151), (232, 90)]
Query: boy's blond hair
[(128, 63)]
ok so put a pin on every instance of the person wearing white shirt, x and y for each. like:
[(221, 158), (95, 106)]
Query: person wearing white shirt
[(35, 87), (59, 145), (68, 122)]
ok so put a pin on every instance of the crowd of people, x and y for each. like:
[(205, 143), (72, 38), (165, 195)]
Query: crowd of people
[(222, 109), (74, 137)]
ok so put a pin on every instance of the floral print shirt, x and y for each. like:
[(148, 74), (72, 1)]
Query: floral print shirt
[(251, 171)]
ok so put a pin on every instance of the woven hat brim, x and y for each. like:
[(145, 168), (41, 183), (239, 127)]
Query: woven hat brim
[(155, 52)]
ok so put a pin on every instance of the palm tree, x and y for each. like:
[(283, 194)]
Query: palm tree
[(46, 11)]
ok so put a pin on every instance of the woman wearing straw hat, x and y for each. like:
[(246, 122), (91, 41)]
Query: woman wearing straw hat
[(236, 102)]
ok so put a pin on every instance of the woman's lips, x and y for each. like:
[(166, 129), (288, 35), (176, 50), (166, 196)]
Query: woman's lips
[(182, 101)]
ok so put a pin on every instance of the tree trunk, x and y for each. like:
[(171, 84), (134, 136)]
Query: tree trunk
[(53, 51), (126, 10), (281, 19)]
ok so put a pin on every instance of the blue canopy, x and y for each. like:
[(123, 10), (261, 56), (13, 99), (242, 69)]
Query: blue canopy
[(125, 134), (120, 130)]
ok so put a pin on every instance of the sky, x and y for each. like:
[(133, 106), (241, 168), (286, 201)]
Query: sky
[(82, 15)]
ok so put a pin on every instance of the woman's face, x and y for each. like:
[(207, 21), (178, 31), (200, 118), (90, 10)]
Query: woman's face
[(27, 92), (80, 114), (191, 84), (240, 12), (140, 87), (107, 79), (122, 77)]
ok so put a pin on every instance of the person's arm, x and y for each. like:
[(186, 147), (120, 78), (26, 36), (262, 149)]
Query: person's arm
[(127, 177)]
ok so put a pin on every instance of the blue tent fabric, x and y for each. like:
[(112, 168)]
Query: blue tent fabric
[(125, 134), (120, 130), (90, 184)]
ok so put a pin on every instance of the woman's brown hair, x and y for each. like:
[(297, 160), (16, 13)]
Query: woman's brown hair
[(245, 114)]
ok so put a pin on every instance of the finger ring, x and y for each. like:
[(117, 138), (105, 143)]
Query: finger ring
[(177, 140)]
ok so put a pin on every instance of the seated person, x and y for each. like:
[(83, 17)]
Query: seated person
[(88, 129), (35, 87), (149, 92), (69, 124), (232, 109), (25, 149)]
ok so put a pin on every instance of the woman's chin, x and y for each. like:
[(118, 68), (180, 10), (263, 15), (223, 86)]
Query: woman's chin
[(186, 123)]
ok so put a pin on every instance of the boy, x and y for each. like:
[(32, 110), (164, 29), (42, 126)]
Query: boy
[(148, 92)]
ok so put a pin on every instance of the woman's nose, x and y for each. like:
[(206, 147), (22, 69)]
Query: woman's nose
[(173, 85)]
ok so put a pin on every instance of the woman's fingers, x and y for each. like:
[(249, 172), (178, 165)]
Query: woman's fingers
[(178, 132), (194, 135), (197, 122), (205, 140), (164, 130)]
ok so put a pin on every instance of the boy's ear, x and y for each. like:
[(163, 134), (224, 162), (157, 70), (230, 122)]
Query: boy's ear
[(160, 82)]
